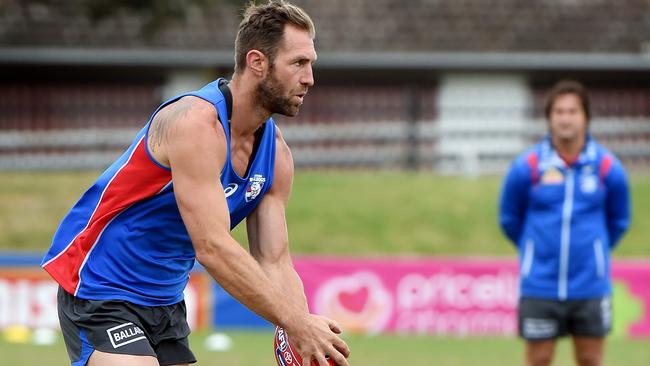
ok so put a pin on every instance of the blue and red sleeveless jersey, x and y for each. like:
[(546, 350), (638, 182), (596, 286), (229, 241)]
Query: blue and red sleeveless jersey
[(125, 239)]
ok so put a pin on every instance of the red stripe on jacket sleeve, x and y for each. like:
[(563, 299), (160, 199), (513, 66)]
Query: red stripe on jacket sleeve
[(532, 163), (605, 166)]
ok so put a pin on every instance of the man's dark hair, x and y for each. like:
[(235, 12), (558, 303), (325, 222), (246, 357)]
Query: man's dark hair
[(567, 87), (263, 26)]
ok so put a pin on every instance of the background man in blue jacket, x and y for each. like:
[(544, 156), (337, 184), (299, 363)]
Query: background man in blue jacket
[(565, 205)]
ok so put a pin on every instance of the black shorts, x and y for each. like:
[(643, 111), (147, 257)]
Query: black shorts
[(125, 328), (542, 319)]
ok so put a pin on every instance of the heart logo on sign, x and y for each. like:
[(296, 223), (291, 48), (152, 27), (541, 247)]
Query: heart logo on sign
[(354, 301), (359, 302)]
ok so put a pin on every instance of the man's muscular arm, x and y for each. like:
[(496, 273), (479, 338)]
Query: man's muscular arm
[(267, 228), (192, 142), (269, 245)]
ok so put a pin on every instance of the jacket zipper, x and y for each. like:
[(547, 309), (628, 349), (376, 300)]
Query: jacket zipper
[(565, 239), (600, 258), (527, 261)]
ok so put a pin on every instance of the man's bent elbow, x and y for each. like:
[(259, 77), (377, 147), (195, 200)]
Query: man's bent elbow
[(209, 251)]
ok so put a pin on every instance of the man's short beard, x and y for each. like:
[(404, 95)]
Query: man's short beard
[(270, 94)]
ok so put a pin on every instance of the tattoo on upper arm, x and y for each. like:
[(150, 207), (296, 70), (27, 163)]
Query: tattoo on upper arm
[(165, 119)]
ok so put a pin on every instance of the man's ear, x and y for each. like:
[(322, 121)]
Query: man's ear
[(257, 63)]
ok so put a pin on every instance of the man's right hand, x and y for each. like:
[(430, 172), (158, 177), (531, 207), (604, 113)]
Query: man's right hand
[(315, 336)]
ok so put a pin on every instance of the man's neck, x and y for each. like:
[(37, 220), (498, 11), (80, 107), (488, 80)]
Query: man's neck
[(247, 115), (569, 150)]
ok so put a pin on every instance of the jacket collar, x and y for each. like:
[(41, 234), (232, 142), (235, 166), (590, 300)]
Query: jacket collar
[(549, 157)]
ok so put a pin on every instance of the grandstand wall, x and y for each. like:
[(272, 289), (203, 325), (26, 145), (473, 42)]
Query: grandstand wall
[(452, 122)]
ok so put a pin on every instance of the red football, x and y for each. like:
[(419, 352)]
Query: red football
[(286, 354)]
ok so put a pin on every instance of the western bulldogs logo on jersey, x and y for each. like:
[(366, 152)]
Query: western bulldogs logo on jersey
[(255, 187)]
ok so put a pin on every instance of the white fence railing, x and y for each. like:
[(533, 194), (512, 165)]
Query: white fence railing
[(479, 148)]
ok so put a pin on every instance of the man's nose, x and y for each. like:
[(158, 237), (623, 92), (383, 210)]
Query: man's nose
[(307, 78)]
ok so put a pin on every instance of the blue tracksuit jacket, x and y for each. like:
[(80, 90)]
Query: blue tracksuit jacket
[(565, 219)]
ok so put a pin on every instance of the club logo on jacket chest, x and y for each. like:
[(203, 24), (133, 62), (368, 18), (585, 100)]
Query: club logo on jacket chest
[(588, 180)]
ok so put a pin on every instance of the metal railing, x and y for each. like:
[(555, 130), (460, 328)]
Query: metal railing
[(387, 144)]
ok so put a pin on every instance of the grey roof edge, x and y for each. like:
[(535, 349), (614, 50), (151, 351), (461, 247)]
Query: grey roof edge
[(334, 60), (488, 61), (114, 57)]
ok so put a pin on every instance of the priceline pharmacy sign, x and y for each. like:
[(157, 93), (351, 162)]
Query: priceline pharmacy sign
[(432, 296)]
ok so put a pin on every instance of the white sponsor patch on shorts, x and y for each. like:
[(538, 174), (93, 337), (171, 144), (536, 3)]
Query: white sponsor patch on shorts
[(606, 312), (124, 334), (539, 328)]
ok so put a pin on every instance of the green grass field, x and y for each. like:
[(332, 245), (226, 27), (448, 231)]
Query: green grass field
[(256, 349), (331, 212)]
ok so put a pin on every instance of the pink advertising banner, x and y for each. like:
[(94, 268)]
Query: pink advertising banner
[(447, 297), (28, 298)]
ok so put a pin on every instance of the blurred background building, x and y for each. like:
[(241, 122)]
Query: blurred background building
[(451, 86)]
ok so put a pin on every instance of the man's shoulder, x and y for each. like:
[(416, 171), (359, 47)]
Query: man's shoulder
[(604, 155), (279, 136), (189, 121), (602, 150), (195, 107), (608, 162), (528, 158), (283, 151), (283, 165), (187, 108)]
